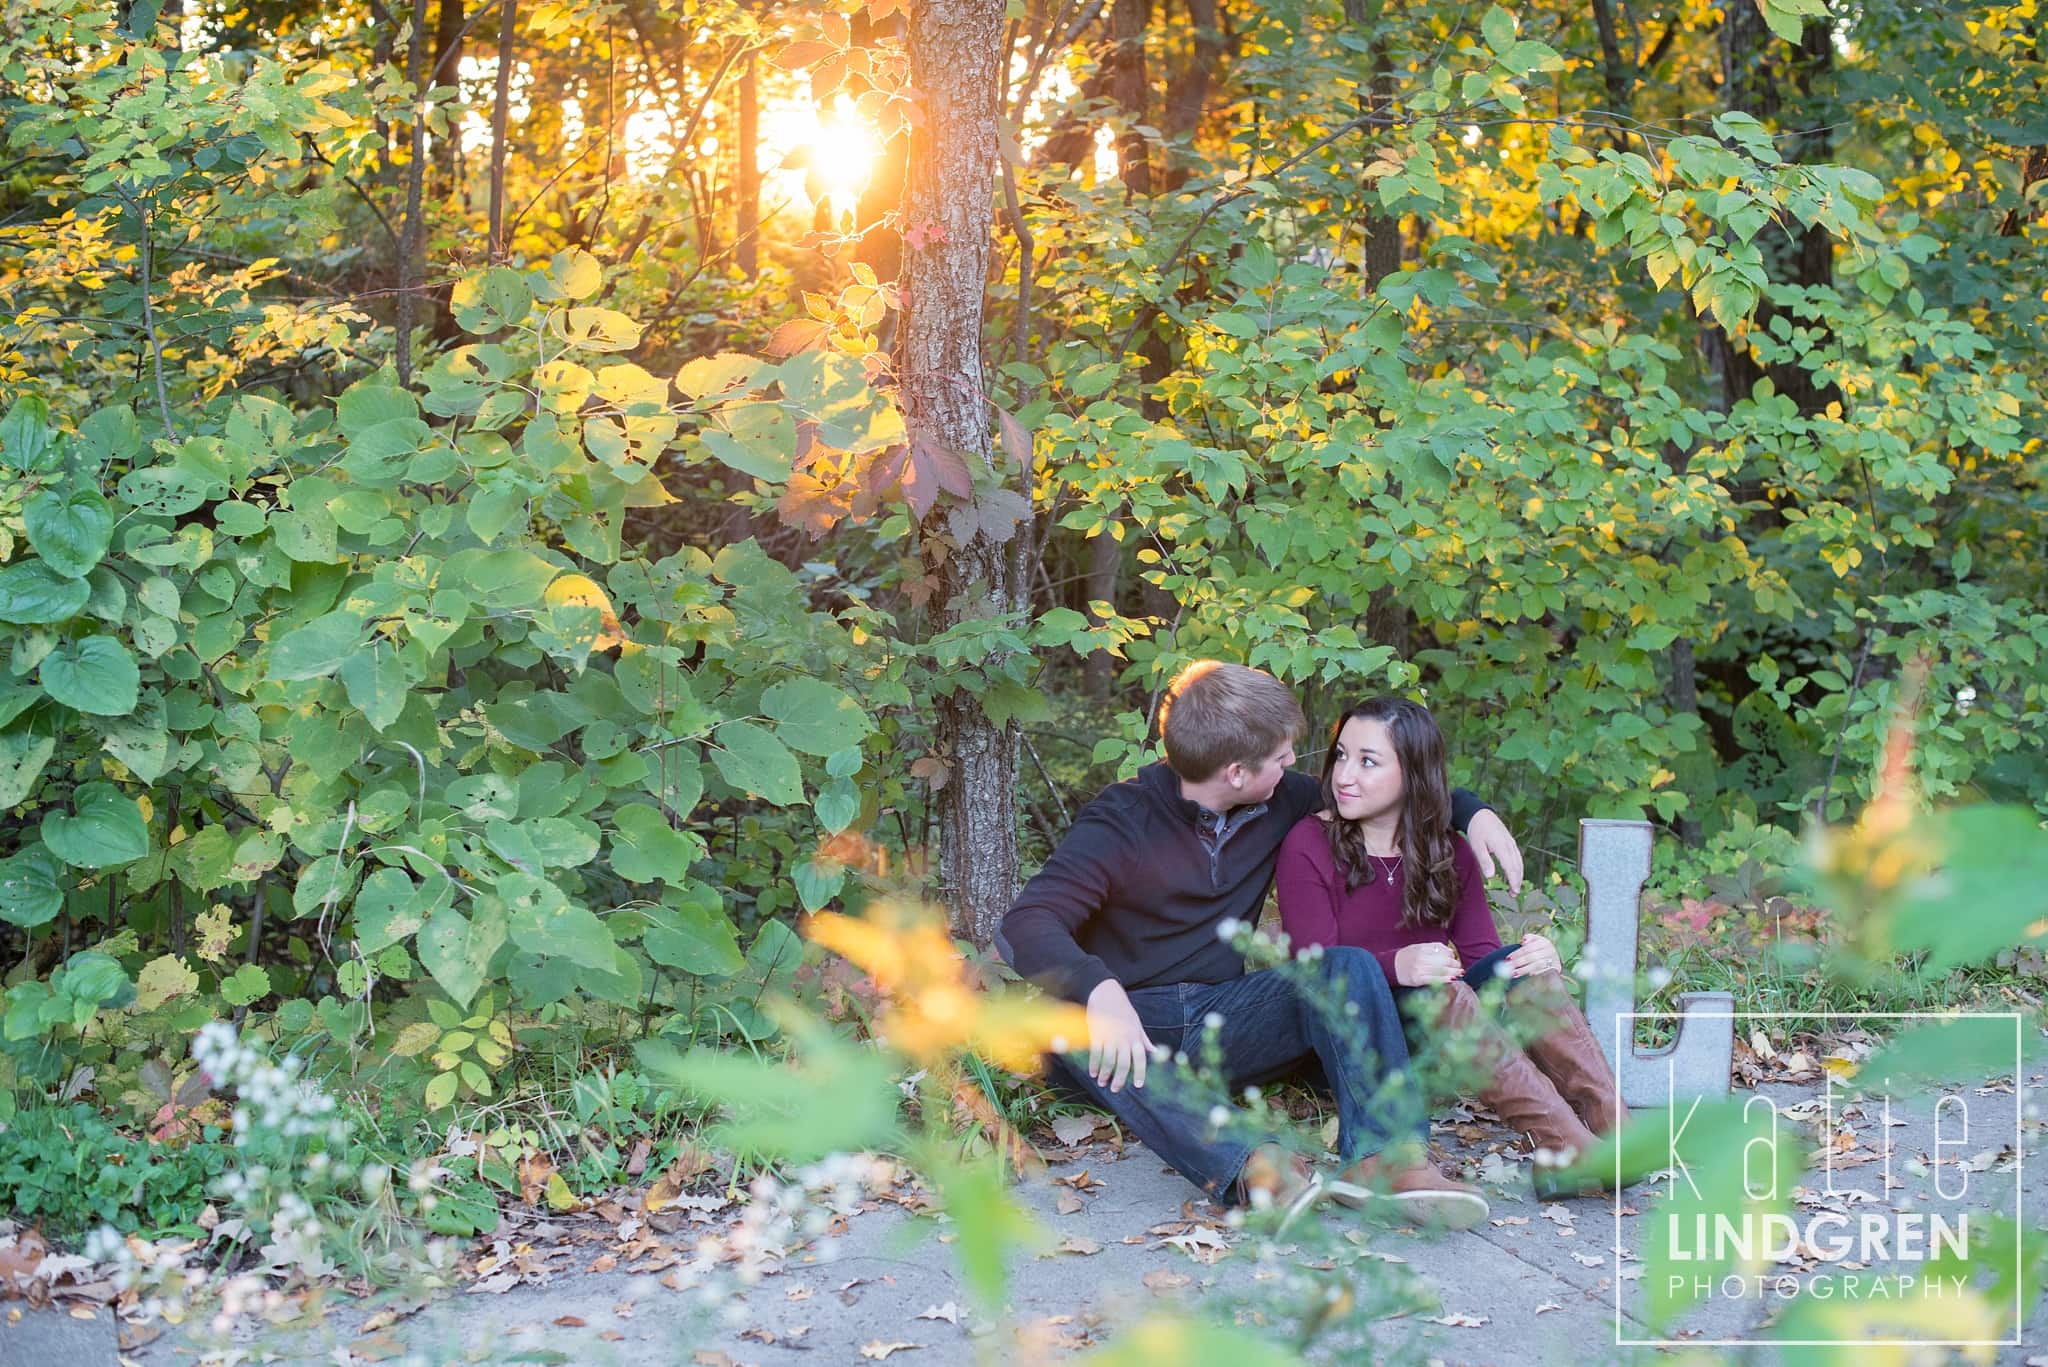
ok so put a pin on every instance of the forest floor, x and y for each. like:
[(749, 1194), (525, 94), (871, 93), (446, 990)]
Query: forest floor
[(1122, 1237)]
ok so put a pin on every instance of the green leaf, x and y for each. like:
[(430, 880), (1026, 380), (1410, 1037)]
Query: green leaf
[(22, 757), (1497, 26), (32, 593), (1965, 1049), (717, 374), (106, 830), (28, 439), (96, 675), (695, 936), (544, 921), (441, 1091), (70, 531), (31, 887), (1783, 19), (838, 805), (646, 849), (388, 909), (991, 1228), (245, 985), (814, 717), (326, 881), (563, 843), (140, 740), (818, 881), (318, 648), (757, 763), (457, 949), (375, 681), (840, 1097)]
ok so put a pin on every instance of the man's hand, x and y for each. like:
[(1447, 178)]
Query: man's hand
[(1117, 1043), (1421, 965), (1536, 954), (1492, 843)]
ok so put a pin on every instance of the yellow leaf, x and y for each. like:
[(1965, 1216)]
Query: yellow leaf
[(215, 934), (560, 1198), (580, 590), (161, 980), (415, 1039)]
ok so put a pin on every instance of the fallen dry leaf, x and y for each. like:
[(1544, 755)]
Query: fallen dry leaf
[(1548, 1305), (1074, 1243), (1069, 1203), (1161, 1280), (604, 1262), (1072, 1129), (610, 1335), (1459, 1321), (568, 1322), (878, 1350), (376, 1347), (1587, 1259), (949, 1312), (1079, 1181)]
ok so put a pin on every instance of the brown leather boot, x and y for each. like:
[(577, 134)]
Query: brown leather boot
[(1401, 1184), (1569, 1054), (1524, 1098)]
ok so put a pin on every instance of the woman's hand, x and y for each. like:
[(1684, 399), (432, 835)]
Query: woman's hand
[(1421, 965), (1535, 955), (1493, 845)]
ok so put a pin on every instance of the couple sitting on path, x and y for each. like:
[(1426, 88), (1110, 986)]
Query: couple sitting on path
[(1132, 913)]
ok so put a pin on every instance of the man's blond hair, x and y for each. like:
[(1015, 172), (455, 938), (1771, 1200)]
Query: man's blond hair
[(1216, 714)]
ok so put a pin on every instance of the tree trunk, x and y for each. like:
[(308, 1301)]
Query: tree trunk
[(412, 255), (1105, 562), (447, 69), (501, 106), (956, 64), (1775, 83), (1129, 86), (748, 228)]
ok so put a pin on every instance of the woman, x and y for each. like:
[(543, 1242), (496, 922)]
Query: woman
[(1378, 868)]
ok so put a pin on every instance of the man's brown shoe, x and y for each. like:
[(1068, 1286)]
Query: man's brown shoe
[(1276, 1179), (1408, 1188)]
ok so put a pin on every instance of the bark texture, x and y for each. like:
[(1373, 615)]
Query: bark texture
[(956, 65), (1781, 85)]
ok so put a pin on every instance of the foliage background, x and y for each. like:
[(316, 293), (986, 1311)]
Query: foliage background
[(470, 581)]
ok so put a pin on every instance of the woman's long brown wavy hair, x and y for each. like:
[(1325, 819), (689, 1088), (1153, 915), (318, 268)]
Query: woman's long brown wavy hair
[(1430, 892)]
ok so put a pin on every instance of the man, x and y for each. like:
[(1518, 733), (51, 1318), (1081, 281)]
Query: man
[(1125, 917)]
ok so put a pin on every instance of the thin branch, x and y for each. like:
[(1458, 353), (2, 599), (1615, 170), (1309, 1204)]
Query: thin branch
[(156, 348), (500, 113), (631, 247)]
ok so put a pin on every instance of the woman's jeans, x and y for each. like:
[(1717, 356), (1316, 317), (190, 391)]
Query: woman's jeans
[(1267, 1024)]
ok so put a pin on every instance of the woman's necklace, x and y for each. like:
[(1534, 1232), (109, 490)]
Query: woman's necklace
[(1390, 865)]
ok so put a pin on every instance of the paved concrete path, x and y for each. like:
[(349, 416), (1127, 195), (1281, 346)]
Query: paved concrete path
[(1535, 1284)]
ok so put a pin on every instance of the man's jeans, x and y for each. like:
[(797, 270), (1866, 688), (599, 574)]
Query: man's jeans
[(1268, 1029)]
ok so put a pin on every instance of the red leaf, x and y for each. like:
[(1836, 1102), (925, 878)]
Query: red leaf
[(1016, 441), (799, 334), (811, 505), (922, 235)]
